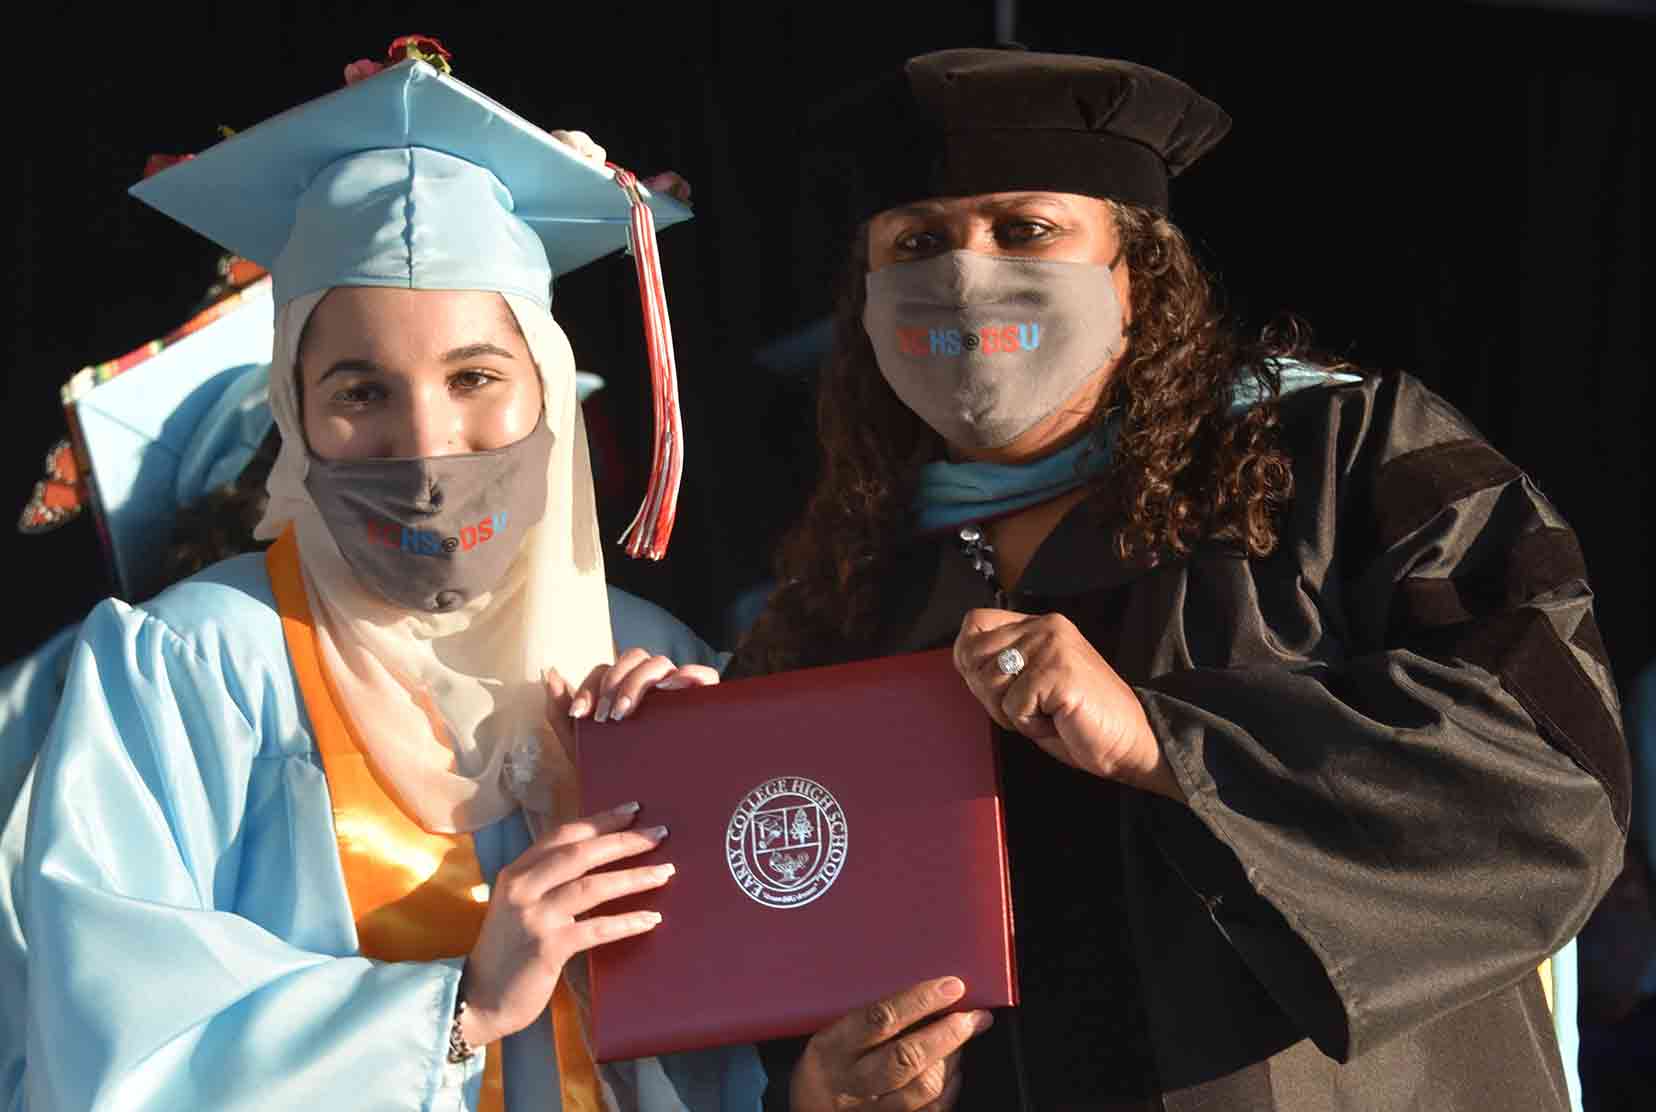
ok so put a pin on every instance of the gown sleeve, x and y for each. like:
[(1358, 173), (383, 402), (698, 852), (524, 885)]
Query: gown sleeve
[(179, 957), (1426, 811), (639, 623), (28, 696)]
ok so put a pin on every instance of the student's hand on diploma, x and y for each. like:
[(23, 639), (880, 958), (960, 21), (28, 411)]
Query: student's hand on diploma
[(613, 692), (531, 929)]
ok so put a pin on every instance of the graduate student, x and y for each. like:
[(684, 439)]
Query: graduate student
[(168, 516), (301, 833), (1311, 753)]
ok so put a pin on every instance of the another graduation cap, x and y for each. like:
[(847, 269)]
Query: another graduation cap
[(412, 178), (799, 352), (164, 431), (958, 123)]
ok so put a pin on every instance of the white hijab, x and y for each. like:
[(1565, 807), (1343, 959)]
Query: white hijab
[(451, 708)]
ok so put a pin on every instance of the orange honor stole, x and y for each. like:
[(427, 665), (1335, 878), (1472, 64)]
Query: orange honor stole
[(415, 896)]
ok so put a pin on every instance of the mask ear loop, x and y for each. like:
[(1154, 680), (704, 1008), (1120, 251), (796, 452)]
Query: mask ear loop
[(652, 526)]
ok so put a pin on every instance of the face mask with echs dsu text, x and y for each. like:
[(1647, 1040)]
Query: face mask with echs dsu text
[(435, 532), (984, 347)]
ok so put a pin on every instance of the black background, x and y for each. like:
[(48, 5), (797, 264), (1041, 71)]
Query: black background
[(1458, 190)]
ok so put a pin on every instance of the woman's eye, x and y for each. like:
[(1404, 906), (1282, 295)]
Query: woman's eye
[(467, 381), (357, 394), (1023, 231), (918, 243)]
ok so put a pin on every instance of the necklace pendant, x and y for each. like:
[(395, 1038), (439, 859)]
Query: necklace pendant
[(979, 553)]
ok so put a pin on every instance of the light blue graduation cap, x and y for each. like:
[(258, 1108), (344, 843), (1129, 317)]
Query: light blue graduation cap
[(408, 178)]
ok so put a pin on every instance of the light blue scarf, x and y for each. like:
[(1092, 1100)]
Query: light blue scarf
[(952, 494)]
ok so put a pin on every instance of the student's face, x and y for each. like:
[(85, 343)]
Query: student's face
[(399, 374)]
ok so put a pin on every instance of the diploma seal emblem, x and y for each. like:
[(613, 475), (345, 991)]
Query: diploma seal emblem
[(785, 844)]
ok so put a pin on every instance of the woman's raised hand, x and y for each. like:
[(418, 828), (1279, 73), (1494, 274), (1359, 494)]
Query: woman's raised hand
[(613, 692), (532, 927), (882, 1058), (1038, 676)]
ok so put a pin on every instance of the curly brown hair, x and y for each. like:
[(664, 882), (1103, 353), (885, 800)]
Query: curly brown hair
[(1184, 470)]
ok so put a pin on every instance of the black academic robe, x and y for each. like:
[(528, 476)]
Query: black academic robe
[(1406, 782)]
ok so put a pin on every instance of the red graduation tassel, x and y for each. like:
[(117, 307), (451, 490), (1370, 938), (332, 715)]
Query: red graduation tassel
[(652, 526)]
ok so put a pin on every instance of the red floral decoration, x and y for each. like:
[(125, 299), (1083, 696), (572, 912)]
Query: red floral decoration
[(422, 47)]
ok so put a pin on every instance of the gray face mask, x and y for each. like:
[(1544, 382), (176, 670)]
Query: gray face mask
[(433, 533), (983, 347)]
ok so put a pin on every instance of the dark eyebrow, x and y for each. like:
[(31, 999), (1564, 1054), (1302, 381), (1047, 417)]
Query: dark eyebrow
[(1021, 199), (919, 208), (458, 355), (473, 351), (1001, 204), (350, 366)]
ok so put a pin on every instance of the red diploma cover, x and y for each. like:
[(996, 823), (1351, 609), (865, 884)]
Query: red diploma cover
[(838, 837)]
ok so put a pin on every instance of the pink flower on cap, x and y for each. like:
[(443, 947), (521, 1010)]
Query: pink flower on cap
[(360, 69)]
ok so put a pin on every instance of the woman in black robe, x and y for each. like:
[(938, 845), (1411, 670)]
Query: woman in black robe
[(1311, 751)]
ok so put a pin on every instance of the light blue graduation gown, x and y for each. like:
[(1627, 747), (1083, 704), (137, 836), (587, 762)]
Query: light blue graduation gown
[(28, 698), (190, 940)]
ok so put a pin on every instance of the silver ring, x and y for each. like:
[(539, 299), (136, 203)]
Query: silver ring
[(1009, 661)]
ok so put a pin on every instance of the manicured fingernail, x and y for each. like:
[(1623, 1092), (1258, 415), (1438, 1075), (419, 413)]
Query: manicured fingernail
[(656, 833), (982, 1022), (602, 714), (952, 986), (582, 704), (622, 706), (672, 683), (626, 808), (665, 871), (653, 918)]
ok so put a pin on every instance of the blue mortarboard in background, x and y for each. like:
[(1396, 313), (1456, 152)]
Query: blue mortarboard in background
[(586, 385), (801, 351), (407, 178), (162, 434)]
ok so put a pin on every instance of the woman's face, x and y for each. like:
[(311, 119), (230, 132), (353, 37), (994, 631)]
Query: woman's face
[(400, 374), (1064, 227), (1061, 227)]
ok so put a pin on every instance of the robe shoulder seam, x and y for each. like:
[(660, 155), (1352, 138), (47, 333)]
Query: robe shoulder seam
[(232, 688)]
